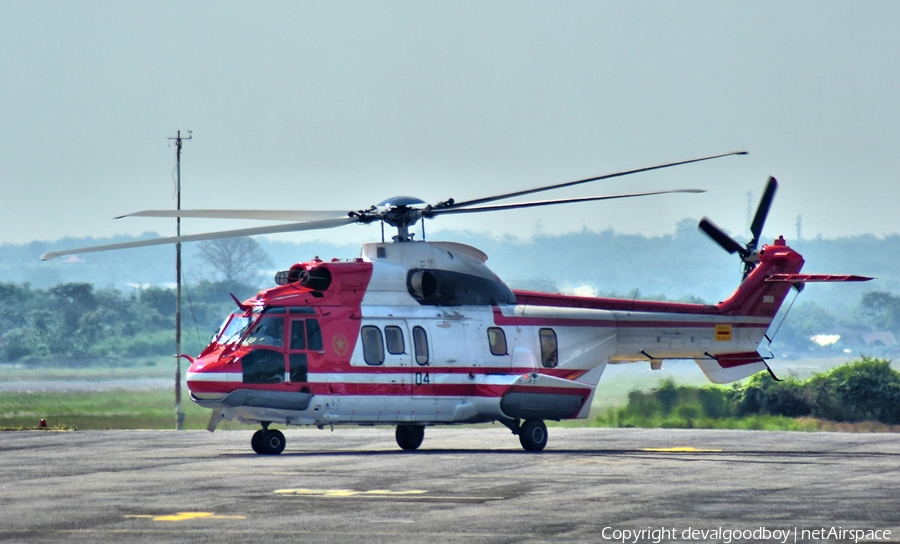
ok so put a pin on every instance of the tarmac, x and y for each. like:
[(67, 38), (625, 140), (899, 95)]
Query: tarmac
[(467, 485)]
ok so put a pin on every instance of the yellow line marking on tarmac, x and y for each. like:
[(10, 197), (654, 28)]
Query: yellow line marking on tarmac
[(682, 449), (184, 516)]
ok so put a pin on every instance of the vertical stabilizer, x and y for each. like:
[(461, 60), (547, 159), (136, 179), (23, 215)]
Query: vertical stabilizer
[(757, 296)]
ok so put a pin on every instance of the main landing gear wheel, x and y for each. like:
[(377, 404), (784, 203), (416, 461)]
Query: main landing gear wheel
[(409, 437), (256, 442), (267, 442), (533, 435)]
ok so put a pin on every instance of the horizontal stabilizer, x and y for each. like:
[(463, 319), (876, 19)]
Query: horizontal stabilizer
[(806, 278), (728, 360), (730, 367)]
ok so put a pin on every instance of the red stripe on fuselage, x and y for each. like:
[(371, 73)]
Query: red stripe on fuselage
[(501, 319), (387, 389), (533, 298)]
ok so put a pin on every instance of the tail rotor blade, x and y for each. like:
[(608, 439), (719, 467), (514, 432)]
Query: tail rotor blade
[(728, 243), (759, 220)]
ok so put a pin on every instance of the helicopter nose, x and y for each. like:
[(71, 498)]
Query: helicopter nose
[(211, 377)]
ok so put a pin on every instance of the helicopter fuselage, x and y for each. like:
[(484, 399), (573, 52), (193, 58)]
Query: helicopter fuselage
[(423, 333)]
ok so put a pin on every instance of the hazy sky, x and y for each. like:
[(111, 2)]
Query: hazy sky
[(339, 105)]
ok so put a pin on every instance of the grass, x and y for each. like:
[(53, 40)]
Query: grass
[(114, 409), (132, 369)]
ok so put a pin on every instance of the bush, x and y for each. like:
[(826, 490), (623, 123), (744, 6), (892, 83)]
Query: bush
[(761, 394), (866, 390)]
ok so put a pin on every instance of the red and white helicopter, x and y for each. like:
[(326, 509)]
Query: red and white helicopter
[(416, 333)]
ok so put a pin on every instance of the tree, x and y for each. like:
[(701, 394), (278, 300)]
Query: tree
[(237, 260), (881, 309)]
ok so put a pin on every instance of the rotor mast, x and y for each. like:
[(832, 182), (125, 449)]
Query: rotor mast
[(179, 414)]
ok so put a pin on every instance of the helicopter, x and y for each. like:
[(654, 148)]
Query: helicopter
[(416, 333)]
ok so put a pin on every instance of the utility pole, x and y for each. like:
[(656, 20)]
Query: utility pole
[(179, 415)]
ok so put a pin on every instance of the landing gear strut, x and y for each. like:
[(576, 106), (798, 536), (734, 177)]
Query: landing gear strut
[(267, 441), (409, 437)]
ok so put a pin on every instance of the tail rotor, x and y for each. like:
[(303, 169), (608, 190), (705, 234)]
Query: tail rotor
[(748, 252)]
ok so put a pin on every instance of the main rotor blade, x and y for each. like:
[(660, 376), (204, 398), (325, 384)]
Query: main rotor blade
[(727, 242), (534, 204), (272, 215), (291, 227), (759, 220), (586, 180)]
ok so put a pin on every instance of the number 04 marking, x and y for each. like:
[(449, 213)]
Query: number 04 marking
[(422, 378)]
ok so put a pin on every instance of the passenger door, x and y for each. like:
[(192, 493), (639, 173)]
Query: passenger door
[(305, 348), (398, 356)]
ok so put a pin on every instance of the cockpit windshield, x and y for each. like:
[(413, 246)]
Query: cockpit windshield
[(231, 329)]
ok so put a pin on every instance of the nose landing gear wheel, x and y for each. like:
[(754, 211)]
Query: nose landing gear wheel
[(409, 437), (533, 435)]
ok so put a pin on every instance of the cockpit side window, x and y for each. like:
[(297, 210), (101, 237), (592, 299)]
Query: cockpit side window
[(268, 331), (303, 330), (298, 334), (314, 334)]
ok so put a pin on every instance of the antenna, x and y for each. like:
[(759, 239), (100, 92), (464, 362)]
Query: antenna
[(179, 414)]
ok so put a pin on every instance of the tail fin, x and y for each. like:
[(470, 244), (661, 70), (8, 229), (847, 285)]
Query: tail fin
[(758, 295)]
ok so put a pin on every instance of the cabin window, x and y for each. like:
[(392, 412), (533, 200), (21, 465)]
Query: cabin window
[(299, 366), (497, 340), (393, 336), (263, 366), (420, 341), (549, 354), (268, 331), (373, 345)]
